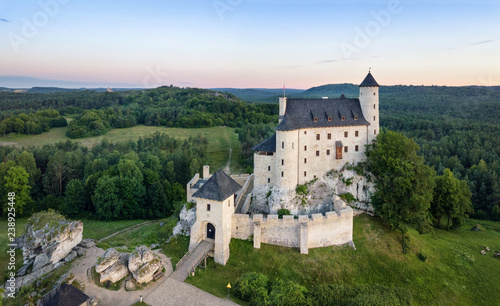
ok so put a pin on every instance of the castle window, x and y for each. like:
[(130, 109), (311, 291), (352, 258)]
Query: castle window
[(373, 106), (282, 162), (346, 134), (317, 153), (318, 136), (356, 133), (355, 117), (374, 118), (282, 145), (329, 118), (305, 160), (293, 145), (315, 119), (346, 149), (229, 203), (208, 207), (329, 135), (305, 148), (375, 132), (374, 94), (281, 173), (305, 132), (268, 168), (343, 118), (305, 173), (268, 180), (356, 148), (327, 152)]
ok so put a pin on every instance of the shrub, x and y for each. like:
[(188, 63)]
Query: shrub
[(283, 212), (252, 287), (422, 256), (348, 197), (287, 293), (302, 189), (478, 228)]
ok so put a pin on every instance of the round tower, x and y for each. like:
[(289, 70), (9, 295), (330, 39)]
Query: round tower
[(368, 99)]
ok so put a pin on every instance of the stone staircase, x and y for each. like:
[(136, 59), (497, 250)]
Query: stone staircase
[(191, 260)]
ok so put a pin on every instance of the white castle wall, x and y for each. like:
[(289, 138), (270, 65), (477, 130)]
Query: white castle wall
[(335, 228), (287, 154), (265, 169), (369, 101)]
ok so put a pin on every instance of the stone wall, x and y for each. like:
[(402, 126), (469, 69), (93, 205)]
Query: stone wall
[(334, 228)]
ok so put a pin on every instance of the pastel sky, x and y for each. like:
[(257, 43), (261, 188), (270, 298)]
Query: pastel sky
[(248, 43)]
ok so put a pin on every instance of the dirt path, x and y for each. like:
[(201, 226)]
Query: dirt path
[(126, 229), (226, 168)]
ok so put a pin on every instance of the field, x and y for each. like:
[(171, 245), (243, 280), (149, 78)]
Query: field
[(220, 140), (454, 272)]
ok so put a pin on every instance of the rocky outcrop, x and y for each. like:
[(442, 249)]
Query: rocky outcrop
[(142, 264), (140, 256), (355, 188), (48, 233), (107, 260), (87, 243), (116, 271), (186, 219), (145, 272)]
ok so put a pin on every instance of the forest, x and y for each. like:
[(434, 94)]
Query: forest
[(455, 127)]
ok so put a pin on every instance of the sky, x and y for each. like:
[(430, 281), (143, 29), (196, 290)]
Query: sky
[(248, 43)]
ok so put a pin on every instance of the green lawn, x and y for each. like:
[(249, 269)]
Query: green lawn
[(95, 229), (455, 272), (220, 140)]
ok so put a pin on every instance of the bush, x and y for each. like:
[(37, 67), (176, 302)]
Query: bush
[(422, 256), (478, 228), (252, 287), (348, 197), (287, 293), (302, 189), (283, 212)]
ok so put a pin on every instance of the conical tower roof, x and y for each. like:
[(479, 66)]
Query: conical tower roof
[(218, 187), (369, 81)]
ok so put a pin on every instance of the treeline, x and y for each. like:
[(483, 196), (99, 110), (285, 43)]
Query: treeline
[(130, 180), (97, 113), (31, 123)]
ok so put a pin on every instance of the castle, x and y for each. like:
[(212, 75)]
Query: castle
[(313, 136)]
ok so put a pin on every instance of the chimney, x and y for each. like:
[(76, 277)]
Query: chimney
[(282, 108), (206, 172)]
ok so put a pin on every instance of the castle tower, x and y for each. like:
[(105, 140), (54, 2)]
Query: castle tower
[(368, 98), (214, 211), (282, 109)]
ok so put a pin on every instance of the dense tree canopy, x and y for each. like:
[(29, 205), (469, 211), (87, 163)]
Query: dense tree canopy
[(404, 184)]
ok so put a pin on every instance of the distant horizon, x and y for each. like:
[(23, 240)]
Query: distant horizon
[(88, 85)]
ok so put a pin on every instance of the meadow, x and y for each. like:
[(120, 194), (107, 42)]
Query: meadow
[(220, 140), (443, 267)]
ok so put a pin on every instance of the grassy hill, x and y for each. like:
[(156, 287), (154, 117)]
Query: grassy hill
[(454, 272), (220, 140)]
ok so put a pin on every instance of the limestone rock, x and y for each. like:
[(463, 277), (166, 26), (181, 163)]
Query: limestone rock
[(140, 256), (116, 271), (88, 243), (145, 272), (41, 260), (70, 256), (80, 251), (59, 264), (23, 270), (48, 233), (186, 219), (94, 301), (107, 260), (129, 285)]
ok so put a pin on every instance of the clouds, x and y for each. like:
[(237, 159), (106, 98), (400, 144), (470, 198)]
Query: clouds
[(482, 42), (4, 20)]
